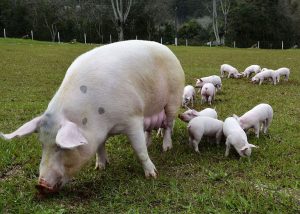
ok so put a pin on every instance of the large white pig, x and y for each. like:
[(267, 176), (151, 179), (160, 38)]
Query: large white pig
[(122, 88), (259, 117), (236, 137)]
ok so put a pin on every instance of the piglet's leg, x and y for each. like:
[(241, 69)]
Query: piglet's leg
[(136, 135), (227, 143), (101, 157), (256, 130)]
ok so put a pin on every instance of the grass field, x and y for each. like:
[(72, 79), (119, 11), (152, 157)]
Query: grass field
[(209, 182)]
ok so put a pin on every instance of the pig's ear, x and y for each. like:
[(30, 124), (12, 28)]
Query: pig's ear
[(252, 146), (194, 112), (200, 80), (25, 129), (243, 150), (69, 136)]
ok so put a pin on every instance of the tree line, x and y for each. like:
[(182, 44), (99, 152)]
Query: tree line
[(101, 21)]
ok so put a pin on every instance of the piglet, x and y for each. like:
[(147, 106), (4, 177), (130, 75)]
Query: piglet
[(261, 114), (251, 69), (191, 113), (265, 74), (204, 126), (214, 79), (236, 137), (208, 93), (188, 96), (232, 71), (283, 72)]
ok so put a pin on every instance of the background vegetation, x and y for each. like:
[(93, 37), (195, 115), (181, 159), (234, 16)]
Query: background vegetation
[(188, 182), (247, 21)]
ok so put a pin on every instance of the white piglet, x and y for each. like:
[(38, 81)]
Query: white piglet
[(204, 126), (145, 80), (265, 74), (259, 117), (208, 92), (191, 113), (283, 72), (188, 96), (251, 69), (214, 79), (232, 71), (236, 137)]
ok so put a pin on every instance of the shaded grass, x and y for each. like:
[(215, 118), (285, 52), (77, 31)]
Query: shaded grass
[(31, 72)]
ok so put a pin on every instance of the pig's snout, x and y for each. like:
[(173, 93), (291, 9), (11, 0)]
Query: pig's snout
[(45, 188)]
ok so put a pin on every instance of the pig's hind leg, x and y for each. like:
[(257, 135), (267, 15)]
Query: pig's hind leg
[(266, 125), (170, 111), (228, 145)]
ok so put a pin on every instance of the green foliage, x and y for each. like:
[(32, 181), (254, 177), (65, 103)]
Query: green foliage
[(192, 31), (252, 21), (187, 182)]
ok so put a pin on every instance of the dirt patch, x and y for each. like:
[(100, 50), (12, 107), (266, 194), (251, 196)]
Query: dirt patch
[(12, 171)]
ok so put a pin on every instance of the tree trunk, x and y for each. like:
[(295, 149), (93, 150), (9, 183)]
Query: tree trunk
[(225, 6), (215, 22), (121, 12)]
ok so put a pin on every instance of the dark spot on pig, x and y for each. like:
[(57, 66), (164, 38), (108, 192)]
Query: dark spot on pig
[(101, 110), (83, 89), (84, 121), (48, 115)]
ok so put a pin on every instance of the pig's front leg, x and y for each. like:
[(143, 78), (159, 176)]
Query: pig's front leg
[(136, 136), (101, 157), (256, 129), (148, 138)]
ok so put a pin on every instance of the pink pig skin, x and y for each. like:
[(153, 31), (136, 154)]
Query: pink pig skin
[(122, 88)]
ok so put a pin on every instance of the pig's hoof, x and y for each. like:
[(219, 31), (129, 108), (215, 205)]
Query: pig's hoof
[(167, 147), (101, 165), (152, 174)]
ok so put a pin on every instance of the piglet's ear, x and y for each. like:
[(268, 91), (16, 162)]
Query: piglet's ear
[(69, 136), (194, 112), (25, 129), (244, 148), (253, 146)]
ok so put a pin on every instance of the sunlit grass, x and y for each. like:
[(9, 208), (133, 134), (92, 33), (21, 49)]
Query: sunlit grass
[(31, 72)]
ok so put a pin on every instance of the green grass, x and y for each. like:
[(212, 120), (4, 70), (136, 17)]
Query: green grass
[(31, 72)]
